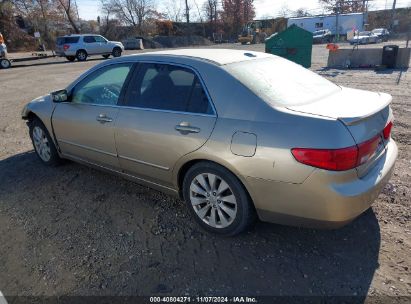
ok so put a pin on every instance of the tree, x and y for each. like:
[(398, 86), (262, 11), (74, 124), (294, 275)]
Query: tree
[(284, 11), (301, 12), (210, 9), (343, 6), (236, 13), (174, 10), (132, 12), (187, 13), (71, 12)]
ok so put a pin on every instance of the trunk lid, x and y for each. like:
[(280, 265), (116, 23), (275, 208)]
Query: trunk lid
[(364, 113)]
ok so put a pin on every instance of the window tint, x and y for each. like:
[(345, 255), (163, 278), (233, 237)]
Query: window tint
[(103, 86), (63, 40), (89, 39), (168, 87)]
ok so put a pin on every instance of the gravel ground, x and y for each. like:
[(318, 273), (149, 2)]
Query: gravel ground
[(73, 230)]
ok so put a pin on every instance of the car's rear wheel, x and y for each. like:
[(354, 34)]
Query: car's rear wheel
[(217, 199), (106, 56), (116, 52), (71, 58), (5, 63), (81, 55), (43, 144)]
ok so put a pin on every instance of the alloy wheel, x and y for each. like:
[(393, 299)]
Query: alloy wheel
[(41, 143), (213, 200)]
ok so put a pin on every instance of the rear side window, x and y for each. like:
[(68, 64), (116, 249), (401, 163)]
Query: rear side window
[(67, 40), (168, 87)]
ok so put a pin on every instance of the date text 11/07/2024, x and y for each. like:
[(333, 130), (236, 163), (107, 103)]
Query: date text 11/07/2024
[(187, 299)]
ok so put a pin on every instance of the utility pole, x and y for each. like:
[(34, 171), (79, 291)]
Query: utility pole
[(337, 30), (394, 3), (364, 14)]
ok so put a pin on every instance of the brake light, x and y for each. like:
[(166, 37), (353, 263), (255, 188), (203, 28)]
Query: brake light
[(338, 159), (66, 47), (387, 130), (329, 159)]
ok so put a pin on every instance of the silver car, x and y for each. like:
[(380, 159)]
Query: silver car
[(81, 46), (237, 135), (365, 38)]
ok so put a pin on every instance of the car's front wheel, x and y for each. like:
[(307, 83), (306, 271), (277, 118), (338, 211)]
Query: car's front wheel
[(43, 144), (217, 199), (116, 52), (81, 55)]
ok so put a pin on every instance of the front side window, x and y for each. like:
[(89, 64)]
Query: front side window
[(168, 87), (102, 86), (89, 39), (99, 39)]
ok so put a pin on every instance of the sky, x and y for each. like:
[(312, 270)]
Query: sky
[(90, 9)]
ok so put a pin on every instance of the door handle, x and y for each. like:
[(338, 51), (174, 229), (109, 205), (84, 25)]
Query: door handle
[(185, 128), (103, 118)]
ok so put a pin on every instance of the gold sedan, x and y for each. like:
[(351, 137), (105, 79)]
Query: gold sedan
[(238, 135)]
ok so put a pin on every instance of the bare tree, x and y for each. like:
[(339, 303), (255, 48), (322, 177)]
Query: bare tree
[(133, 12), (284, 11), (174, 10), (187, 10), (70, 11), (301, 12), (343, 6)]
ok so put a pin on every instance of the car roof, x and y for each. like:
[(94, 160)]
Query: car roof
[(79, 35), (218, 56)]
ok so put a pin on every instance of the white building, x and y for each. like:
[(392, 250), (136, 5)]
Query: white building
[(346, 23)]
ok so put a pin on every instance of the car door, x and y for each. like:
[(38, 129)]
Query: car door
[(104, 46), (84, 126), (166, 114), (91, 45)]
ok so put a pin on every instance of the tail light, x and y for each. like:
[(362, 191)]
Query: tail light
[(329, 159), (387, 130), (66, 47), (341, 159)]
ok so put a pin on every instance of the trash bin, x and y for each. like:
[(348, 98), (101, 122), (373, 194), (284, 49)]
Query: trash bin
[(389, 55), (294, 44)]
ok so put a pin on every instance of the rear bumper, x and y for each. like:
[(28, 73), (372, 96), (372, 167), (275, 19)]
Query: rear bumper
[(65, 53), (325, 199)]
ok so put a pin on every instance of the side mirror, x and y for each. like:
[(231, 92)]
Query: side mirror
[(59, 96)]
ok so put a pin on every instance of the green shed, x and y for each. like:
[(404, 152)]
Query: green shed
[(294, 44)]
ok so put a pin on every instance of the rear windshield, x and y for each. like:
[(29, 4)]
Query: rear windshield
[(280, 82), (67, 40)]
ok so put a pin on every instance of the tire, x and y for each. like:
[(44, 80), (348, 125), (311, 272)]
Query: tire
[(43, 144), (71, 58), (81, 55), (232, 208), (116, 52), (106, 56), (5, 63)]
